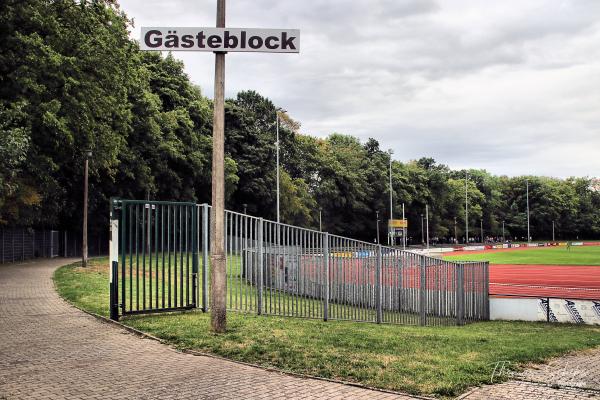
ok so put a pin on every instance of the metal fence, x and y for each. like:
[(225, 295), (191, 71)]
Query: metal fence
[(20, 244), (284, 270)]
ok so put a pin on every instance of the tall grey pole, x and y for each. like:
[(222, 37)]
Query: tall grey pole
[(320, 220), (481, 230), (455, 232), (528, 234), (503, 239), (84, 242), (277, 147), (427, 220), (466, 207), (403, 230), (377, 217), (218, 276), (422, 231), (553, 231), (391, 201)]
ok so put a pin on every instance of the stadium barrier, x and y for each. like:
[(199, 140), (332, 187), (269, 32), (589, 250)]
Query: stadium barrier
[(160, 262)]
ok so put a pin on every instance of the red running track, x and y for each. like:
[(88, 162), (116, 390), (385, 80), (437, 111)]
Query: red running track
[(563, 281)]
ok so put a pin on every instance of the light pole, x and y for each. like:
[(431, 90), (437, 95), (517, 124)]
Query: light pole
[(427, 219), (553, 231), (277, 150), (390, 151), (503, 239), (84, 242), (455, 234), (320, 220), (403, 230), (466, 207), (377, 216), (481, 227), (528, 234), (422, 231)]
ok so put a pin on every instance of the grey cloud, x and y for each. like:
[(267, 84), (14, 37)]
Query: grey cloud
[(497, 85)]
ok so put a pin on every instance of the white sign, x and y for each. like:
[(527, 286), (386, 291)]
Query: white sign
[(221, 39)]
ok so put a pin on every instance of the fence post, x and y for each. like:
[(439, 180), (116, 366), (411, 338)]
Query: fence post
[(325, 238), (548, 309), (205, 238), (259, 283), (114, 259), (423, 291), (378, 285), (460, 293), (194, 255), (487, 290)]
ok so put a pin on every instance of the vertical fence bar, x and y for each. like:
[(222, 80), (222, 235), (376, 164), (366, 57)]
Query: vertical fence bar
[(325, 239), (423, 291), (460, 295), (259, 267), (378, 304), (194, 256), (486, 290), (205, 239)]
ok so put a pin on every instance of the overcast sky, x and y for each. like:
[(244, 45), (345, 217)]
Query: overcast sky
[(511, 86)]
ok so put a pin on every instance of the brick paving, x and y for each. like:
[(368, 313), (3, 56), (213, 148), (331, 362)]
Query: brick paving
[(50, 350), (519, 390)]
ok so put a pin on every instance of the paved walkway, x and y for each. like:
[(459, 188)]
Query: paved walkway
[(50, 350)]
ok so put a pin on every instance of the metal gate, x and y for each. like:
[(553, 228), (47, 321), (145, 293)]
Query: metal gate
[(154, 256)]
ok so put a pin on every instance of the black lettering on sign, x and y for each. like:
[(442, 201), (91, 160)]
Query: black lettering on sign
[(255, 42), (230, 41), (269, 40), (200, 38), (153, 38), (287, 42), (187, 41), (172, 40), (214, 41), (243, 40)]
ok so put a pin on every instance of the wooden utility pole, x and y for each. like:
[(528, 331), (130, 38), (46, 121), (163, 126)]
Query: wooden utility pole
[(218, 281)]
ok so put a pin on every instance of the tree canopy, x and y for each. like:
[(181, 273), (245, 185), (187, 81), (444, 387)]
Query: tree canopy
[(71, 80)]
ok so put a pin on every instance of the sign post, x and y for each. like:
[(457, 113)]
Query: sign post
[(397, 228), (219, 40)]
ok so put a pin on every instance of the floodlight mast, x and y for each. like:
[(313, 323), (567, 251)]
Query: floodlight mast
[(390, 151), (467, 207)]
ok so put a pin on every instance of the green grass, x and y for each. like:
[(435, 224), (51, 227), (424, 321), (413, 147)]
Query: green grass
[(578, 255), (440, 361)]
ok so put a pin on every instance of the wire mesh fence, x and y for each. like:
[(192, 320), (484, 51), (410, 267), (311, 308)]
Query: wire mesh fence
[(279, 269)]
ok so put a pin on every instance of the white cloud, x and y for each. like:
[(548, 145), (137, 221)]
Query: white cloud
[(509, 86)]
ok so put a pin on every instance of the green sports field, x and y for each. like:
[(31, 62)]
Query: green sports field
[(577, 255)]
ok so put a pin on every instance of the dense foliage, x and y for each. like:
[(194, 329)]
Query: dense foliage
[(71, 80)]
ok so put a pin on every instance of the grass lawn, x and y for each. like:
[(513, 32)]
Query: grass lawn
[(439, 361), (578, 255)]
